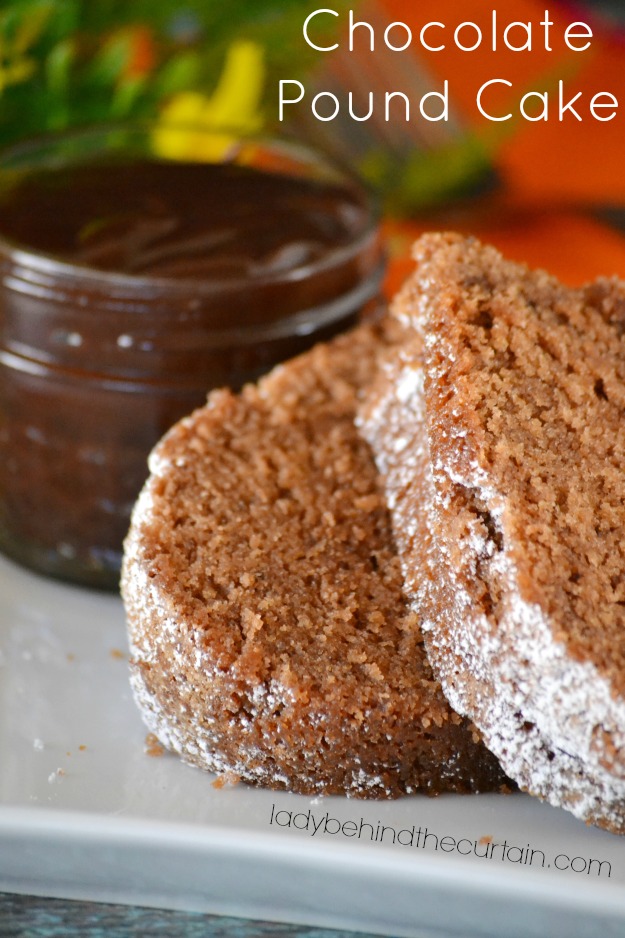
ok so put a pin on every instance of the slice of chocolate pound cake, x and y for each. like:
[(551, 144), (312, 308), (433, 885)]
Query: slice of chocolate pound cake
[(500, 433), (270, 637)]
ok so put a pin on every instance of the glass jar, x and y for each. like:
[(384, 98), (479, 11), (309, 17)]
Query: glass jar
[(96, 364)]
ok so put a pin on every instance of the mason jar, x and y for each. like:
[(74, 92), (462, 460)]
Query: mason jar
[(106, 341)]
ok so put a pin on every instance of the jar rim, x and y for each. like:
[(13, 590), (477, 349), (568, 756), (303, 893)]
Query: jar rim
[(48, 264)]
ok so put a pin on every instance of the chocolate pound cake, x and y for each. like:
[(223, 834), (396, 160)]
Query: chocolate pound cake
[(500, 431), (270, 636)]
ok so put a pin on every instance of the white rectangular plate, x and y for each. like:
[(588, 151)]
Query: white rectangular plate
[(85, 812)]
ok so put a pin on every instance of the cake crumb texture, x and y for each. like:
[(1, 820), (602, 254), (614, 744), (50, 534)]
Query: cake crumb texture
[(271, 640), (508, 502)]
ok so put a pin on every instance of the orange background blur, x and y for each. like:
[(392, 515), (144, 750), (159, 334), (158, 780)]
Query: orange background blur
[(555, 177)]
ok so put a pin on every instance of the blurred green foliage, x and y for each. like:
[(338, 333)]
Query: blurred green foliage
[(70, 62)]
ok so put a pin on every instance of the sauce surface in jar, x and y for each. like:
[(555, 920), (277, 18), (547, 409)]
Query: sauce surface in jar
[(183, 220)]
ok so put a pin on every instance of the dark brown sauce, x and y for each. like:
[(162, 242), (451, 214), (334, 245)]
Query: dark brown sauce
[(95, 367), (180, 220)]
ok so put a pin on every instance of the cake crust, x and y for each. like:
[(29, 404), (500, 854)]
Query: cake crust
[(270, 636), (508, 401)]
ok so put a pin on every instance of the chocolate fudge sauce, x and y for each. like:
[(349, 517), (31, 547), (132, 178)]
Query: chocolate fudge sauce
[(129, 288), (181, 220)]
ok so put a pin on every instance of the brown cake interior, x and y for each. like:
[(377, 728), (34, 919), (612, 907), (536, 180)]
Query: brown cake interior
[(537, 372), (277, 634)]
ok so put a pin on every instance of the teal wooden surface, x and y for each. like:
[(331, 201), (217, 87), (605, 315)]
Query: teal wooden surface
[(30, 917)]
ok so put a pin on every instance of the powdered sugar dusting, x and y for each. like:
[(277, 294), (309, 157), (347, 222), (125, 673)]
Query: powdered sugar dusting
[(555, 722), (205, 671)]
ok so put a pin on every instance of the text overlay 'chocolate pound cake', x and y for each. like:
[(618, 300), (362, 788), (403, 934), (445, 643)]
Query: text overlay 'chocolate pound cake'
[(500, 431), (270, 635)]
